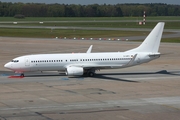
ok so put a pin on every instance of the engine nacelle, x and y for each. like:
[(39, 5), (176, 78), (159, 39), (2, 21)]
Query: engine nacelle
[(74, 71)]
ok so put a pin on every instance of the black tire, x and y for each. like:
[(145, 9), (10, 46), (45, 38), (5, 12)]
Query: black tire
[(91, 74)]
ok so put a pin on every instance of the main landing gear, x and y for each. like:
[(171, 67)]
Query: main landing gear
[(20, 74), (89, 73)]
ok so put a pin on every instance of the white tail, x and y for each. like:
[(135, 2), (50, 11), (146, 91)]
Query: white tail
[(152, 41)]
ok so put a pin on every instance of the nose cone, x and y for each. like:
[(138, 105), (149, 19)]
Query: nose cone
[(7, 65)]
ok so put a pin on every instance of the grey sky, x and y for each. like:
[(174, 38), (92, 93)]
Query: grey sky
[(84, 2)]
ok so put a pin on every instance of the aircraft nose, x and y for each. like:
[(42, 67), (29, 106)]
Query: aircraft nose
[(7, 65)]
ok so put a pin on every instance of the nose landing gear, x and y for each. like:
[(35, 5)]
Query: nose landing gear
[(22, 74)]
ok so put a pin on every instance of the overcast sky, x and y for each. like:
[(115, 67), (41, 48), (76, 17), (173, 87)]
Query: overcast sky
[(85, 2)]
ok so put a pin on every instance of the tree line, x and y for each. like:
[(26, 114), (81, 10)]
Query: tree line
[(8, 9)]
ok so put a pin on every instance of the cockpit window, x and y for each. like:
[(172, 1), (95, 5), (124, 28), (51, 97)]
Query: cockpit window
[(15, 61)]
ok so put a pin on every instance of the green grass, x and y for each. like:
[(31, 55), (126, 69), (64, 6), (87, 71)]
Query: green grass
[(164, 18), (47, 33), (171, 40), (87, 18), (66, 18), (109, 22), (169, 25), (168, 40)]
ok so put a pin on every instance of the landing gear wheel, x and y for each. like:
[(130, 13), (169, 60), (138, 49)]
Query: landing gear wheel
[(91, 74), (22, 74)]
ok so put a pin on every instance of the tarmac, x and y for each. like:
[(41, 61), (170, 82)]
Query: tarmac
[(149, 91)]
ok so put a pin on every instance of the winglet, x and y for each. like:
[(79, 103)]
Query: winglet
[(89, 50)]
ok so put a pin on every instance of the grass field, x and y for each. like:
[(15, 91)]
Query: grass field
[(171, 40), (168, 40), (87, 18), (48, 33), (172, 22), (169, 25)]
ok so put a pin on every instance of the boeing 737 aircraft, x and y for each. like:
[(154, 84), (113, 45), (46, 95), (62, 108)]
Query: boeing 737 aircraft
[(78, 64)]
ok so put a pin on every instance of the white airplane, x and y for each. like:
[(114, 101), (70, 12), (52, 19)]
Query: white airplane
[(78, 64)]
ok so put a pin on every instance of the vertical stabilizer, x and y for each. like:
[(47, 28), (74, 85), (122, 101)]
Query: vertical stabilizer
[(152, 41)]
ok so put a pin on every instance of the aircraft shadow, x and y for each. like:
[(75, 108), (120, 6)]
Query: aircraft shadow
[(165, 72), (101, 76), (107, 76)]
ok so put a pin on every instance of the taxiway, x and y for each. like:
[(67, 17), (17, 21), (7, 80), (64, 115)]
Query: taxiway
[(150, 91)]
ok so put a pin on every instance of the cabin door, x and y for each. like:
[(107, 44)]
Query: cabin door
[(27, 62)]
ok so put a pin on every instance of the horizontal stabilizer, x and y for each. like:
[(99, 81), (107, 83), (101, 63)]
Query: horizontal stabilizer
[(154, 55)]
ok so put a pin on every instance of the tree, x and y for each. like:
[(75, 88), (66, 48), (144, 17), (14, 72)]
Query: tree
[(8, 9)]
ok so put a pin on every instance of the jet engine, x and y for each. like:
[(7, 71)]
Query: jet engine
[(74, 71)]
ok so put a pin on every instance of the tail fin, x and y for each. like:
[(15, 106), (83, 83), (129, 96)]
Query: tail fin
[(152, 41)]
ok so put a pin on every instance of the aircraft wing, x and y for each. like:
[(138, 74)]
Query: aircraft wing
[(90, 66)]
